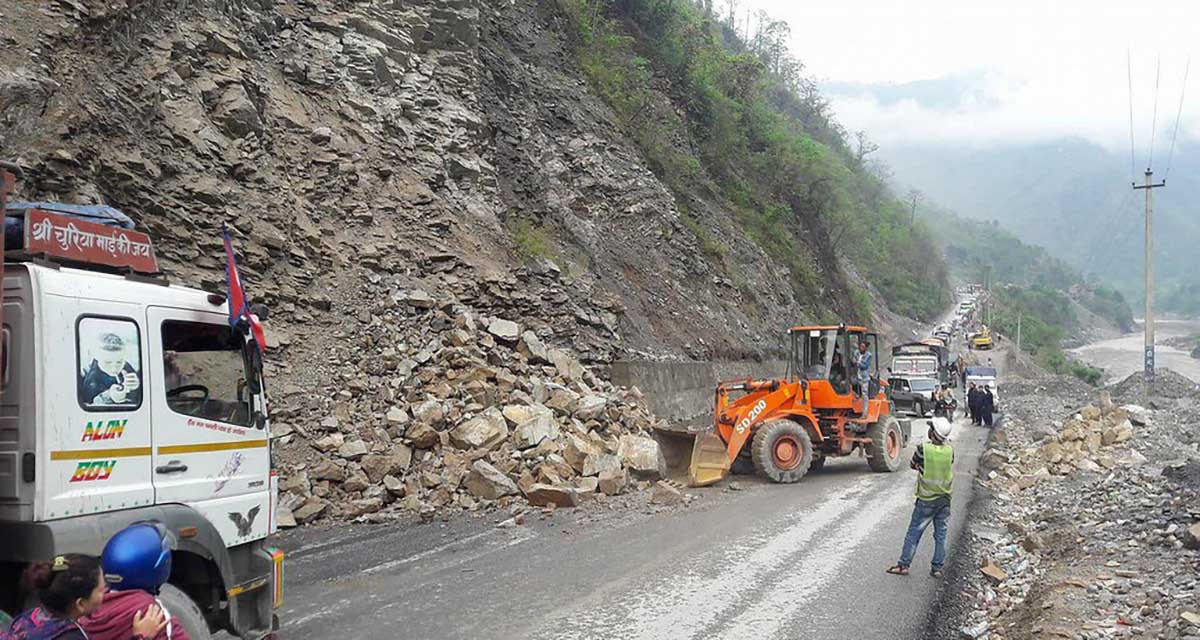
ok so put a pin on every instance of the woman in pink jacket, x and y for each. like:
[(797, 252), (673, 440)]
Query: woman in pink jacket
[(136, 562)]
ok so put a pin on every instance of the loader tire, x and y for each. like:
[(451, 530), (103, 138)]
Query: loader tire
[(887, 445), (782, 451)]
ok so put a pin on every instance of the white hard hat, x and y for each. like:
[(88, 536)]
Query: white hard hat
[(941, 427)]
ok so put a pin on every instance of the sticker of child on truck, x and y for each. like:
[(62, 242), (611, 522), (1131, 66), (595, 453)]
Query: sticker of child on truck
[(110, 364)]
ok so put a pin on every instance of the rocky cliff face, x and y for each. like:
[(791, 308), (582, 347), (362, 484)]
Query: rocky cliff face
[(373, 160)]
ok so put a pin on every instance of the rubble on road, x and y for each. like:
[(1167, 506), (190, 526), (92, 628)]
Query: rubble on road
[(1093, 514), (472, 419)]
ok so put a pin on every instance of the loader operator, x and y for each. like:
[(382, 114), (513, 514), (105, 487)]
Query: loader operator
[(863, 361), (837, 373)]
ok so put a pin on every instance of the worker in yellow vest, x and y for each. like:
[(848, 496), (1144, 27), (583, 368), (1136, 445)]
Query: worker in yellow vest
[(934, 461)]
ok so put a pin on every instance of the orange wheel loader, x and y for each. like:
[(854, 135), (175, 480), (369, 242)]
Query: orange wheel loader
[(788, 427)]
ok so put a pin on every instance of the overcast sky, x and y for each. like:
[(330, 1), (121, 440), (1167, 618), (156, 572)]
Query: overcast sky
[(1044, 68)]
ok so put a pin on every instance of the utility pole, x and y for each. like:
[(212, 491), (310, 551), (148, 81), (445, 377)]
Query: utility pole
[(1148, 186), (987, 297)]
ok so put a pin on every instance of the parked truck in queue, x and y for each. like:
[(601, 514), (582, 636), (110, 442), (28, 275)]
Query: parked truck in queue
[(128, 399)]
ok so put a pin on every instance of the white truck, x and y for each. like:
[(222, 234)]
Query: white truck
[(125, 399)]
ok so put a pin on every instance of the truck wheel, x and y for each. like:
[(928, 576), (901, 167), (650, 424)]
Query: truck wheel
[(887, 443), (182, 608), (782, 451)]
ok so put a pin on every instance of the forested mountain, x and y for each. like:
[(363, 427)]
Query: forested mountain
[(1048, 295), (1069, 195)]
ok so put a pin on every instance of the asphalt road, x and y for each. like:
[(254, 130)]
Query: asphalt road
[(767, 561)]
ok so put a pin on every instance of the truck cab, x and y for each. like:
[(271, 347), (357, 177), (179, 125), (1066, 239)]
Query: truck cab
[(126, 399)]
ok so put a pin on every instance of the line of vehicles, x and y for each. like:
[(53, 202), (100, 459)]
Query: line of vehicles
[(922, 372)]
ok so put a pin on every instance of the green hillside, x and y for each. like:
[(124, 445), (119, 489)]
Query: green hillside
[(1028, 283), (727, 116)]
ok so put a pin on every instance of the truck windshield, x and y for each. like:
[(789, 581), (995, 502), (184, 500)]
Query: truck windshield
[(205, 372), (923, 384)]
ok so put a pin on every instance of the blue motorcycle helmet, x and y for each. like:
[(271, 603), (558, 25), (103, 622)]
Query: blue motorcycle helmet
[(138, 557)]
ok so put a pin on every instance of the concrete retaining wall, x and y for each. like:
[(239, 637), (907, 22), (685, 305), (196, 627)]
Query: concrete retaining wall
[(683, 391)]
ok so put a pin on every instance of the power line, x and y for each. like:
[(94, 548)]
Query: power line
[(1129, 72), (1178, 113), (1112, 221), (1154, 118)]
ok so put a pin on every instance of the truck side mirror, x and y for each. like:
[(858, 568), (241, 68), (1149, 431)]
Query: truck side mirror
[(255, 366)]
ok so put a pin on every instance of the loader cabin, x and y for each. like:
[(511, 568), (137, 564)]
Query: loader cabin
[(824, 356)]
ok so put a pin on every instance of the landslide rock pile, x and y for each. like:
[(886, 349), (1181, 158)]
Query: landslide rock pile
[(1093, 530), (461, 412)]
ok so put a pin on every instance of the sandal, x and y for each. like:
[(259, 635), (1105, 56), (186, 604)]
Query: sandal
[(898, 570), (937, 573)]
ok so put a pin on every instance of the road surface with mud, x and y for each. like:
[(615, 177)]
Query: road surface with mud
[(767, 561)]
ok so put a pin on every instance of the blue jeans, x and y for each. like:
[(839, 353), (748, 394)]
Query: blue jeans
[(923, 513)]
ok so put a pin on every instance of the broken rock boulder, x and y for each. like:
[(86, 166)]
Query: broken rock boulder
[(532, 348), (667, 494), (487, 482), (590, 407), (534, 431), (423, 436), (613, 483), (598, 464), (485, 431), (640, 454), (546, 495), (517, 414), (504, 330)]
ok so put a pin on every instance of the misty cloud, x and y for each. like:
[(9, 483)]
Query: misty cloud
[(987, 108), (987, 73)]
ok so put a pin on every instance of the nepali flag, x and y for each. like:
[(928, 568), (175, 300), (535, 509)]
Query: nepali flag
[(239, 304)]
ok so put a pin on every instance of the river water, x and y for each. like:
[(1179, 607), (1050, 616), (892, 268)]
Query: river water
[(1122, 356)]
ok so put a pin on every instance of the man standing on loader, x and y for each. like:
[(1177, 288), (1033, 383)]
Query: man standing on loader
[(934, 461), (863, 361)]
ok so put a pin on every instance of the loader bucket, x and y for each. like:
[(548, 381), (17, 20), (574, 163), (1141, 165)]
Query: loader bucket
[(697, 457)]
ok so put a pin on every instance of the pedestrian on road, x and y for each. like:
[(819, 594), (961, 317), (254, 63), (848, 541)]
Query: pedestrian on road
[(987, 404), (973, 403), (934, 461)]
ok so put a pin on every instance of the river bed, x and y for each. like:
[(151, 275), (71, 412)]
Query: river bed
[(1122, 356)]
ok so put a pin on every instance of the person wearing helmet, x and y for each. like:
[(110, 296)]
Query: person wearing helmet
[(136, 563), (934, 461)]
